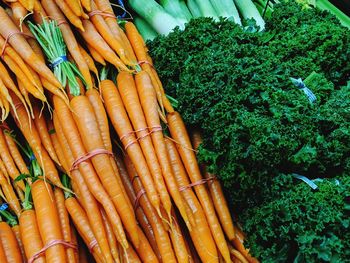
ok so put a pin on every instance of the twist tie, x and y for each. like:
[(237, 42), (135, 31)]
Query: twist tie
[(306, 180), (88, 156), (58, 61), (8, 39), (4, 206), (199, 182), (92, 245), (138, 197), (301, 85), (51, 244)]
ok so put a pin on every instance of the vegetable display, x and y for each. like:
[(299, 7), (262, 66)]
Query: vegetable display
[(271, 105)]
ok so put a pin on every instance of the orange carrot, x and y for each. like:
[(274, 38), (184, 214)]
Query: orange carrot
[(112, 241), (86, 4), (238, 244), (48, 220), (10, 195), (26, 103), (75, 242), (89, 61), (130, 98), (179, 134), (217, 195), (2, 254), (64, 222), (145, 251), (72, 135), (30, 235), (162, 238), (68, 12), (69, 38), (201, 235), (96, 56), (93, 38), (121, 123), (9, 244), (90, 134), (75, 7), (149, 105), (19, 43), (16, 231)]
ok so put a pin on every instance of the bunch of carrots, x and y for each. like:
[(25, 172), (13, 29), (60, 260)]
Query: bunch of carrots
[(94, 159)]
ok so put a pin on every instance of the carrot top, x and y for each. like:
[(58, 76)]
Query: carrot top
[(50, 38), (10, 219)]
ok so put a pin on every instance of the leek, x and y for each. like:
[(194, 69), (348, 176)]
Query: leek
[(192, 6), (178, 9), (248, 11), (226, 8), (206, 8), (326, 5), (161, 21), (146, 31)]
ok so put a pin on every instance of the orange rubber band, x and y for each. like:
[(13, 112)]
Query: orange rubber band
[(88, 156), (8, 38), (51, 244), (200, 182)]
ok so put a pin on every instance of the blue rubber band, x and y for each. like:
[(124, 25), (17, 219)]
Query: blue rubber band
[(301, 85), (4, 206), (32, 158), (306, 180), (121, 3), (58, 61)]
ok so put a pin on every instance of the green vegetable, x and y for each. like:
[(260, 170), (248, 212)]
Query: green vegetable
[(192, 6), (226, 8), (249, 11), (235, 85), (155, 15), (178, 9), (206, 8), (326, 5), (146, 31)]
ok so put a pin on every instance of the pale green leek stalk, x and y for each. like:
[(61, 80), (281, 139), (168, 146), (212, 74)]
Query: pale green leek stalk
[(146, 31), (326, 5), (194, 9), (206, 8), (161, 21), (178, 9), (248, 10), (227, 8)]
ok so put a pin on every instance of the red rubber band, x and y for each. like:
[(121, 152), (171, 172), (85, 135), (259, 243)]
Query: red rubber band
[(200, 182), (180, 144), (4, 126), (8, 39), (145, 62), (51, 244), (101, 13), (92, 245), (61, 22), (88, 156), (138, 197), (152, 130)]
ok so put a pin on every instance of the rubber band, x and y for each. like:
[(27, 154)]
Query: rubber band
[(133, 179), (58, 61), (61, 22), (4, 126), (145, 62), (51, 244), (121, 3), (32, 157), (8, 39), (180, 144), (88, 156), (4, 206), (92, 245), (138, 197), (18, 105), (306, 180), (152, 130), (102, 13), (200, 182)]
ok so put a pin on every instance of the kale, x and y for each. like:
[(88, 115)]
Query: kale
[(258, 127)]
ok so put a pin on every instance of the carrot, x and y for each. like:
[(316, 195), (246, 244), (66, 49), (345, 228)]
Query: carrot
[(16, 231), (81, 223), (40, 124), (130, 98), (39, 12), (179, 134), (121, 123), (28, 4), (145, 251), (75, 7), (96, 56), (10, 195), (87, 200), (2, 254), (64, 222), (90, 134), (9, 244), (89, 61), (238, 255), (93, 38), (19, 43), (238, 244), (149, 105), (51, 88), (68, 12), (112, 241), (201, 235), (48, 220), (69, 38), (86, 4), (56, 145), (7, 101), (140, 215), (108, 36), (26, 103), (139, 47), (71, 133), (74, 242), (162, 238), (102, 121), (8, 160), (4, 171), (217, 195), (30, 235), (130, 255)]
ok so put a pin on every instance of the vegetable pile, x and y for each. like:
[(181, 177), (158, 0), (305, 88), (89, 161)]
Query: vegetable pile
[(95, 163), (260, 127)]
